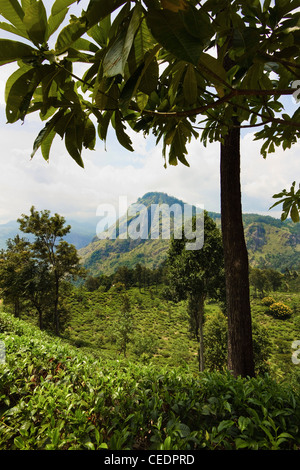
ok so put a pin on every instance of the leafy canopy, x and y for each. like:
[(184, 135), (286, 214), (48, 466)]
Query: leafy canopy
[(170, 67)]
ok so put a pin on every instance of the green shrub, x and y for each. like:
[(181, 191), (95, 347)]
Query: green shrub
[(280, 310), (215, 341), (267, 301), (215, 344)]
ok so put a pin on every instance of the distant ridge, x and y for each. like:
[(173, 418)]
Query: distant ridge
[(81, 234), (271, 243)]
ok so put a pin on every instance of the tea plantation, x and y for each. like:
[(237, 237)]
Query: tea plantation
[(83, 391)]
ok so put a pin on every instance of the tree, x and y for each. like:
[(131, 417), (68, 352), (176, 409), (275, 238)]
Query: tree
[(259, 281), (196, 274), (124, 326), (55, 258), (13, 275), (170, 68), (24, 281)]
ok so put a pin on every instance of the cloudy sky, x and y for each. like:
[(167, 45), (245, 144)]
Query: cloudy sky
[(62, 186)]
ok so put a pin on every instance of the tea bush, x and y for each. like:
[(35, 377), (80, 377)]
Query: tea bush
[(267, 301), (280, 310)]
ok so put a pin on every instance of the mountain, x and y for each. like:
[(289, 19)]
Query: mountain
[(270, 242)]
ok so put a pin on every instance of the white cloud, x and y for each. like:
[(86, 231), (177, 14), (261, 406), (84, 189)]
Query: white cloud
[(62, 186)]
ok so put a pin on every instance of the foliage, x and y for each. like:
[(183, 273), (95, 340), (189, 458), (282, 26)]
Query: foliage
[(35, 271), (122, 48), (152, 66), (55, 397), (197, 274), (291, 203), (267, 301), (215, 341), (280, 310)]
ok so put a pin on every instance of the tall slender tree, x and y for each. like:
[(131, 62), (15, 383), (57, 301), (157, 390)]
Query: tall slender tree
[(196, 275), (171, 68), (55, 257)]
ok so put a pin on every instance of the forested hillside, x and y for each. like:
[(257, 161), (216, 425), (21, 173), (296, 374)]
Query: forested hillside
[(271, 243)]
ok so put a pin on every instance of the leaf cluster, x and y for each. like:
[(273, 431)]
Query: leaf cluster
[(154, 66)]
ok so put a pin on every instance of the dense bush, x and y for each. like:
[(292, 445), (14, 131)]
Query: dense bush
[(267, 301), (280, 310), (54, 397), (215, 342)]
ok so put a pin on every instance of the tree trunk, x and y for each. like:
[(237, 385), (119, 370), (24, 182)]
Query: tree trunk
[(17, 308), (240, 348), (40, 317), (56, 319), (201, 339)]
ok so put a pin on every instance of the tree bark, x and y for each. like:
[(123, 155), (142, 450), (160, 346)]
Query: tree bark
[(240, 348), (56, 319), (201, 339)]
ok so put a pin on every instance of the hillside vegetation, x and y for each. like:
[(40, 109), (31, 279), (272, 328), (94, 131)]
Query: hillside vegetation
[(270, 243), (56, 397)]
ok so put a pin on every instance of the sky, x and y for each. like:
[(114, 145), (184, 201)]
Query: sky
[(61, 186)]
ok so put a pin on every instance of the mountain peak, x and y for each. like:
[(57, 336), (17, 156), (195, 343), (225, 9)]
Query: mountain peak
[(158, 198)]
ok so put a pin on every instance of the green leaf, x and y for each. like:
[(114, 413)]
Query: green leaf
[(197, 23), (12, 11), (142, 100), (149, 76), (177, 140), (46, 144), (20, 89), (96, 11), (243, 422), (107, 94), (19, 443), (295, 213), (60, 5), (89, 136), (225, 424), (19, 95), (190, 88), (73, 141), (55, 20), (46, 136), (122, 137), (214, 71), (35, 21), (100, 32), (115, 60), (14, 50), (70, 34), (11, 29), (103, 125), (14, 77), (113, 63), (143, 42), (169, 30)]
